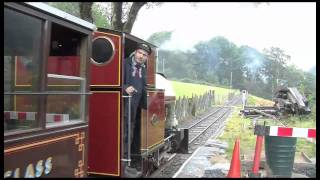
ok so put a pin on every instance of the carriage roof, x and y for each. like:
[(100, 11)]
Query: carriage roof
[(61, 14)]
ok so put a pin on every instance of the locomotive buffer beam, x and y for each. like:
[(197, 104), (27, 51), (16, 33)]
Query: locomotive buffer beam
[(180, 140)]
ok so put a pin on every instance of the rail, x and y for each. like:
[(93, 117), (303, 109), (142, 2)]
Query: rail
[(200, 127)]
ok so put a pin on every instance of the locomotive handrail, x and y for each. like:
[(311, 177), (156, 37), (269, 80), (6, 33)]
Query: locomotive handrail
[(129, 131), (168, 138), (65, 77)]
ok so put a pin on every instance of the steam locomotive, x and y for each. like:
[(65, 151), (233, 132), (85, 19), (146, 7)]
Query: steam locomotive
[(109, 50), (63, 102)]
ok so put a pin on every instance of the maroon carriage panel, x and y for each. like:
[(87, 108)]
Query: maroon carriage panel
[(62, 155), (104, 133), (64, 65)]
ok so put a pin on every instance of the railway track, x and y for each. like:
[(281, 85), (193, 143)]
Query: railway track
[(199, 132), (197, 129), (200, 127)]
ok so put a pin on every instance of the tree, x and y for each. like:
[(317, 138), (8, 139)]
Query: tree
[(69, 7), (124, 14), (253, 60), (93, 13), (100, 16), (223, 57), (180, 64), (309, 82), (85, 11), (274, 65)]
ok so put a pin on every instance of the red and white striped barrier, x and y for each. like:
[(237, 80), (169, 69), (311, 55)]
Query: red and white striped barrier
[(57, 117), (20, 115), (31, 116), (291, 132)]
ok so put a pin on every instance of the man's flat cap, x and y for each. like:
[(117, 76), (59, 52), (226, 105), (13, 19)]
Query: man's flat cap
[(145, 47)]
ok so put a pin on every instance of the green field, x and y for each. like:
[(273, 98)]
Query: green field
[(188, 89)]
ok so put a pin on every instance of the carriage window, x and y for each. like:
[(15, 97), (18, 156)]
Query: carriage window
[(22, 42), (64, 75)]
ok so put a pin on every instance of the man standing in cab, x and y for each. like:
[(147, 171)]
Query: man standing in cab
[(135, 86)]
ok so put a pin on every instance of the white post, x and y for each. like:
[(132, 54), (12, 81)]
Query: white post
[(244, 98)]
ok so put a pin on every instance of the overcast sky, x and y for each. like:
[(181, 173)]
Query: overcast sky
[(289, 26)]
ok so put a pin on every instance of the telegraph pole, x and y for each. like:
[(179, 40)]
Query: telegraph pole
[(231, 75), (231, 80), (163, 65)]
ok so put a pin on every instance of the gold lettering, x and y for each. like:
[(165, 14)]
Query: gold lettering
[(48, 165), (29, 171), (7, 174), (32, 172), (16, 173), (39, 168)]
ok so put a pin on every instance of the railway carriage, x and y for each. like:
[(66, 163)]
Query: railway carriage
[(63, 102), (46, 60)]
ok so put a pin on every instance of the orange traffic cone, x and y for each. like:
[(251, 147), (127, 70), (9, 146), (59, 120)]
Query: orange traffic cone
[(235, 166)]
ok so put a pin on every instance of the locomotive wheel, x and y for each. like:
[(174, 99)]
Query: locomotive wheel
[(174, 146)]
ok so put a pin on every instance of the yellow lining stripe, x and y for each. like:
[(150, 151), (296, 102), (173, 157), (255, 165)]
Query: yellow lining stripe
[(27, 146), (91, 172), (108, 33)]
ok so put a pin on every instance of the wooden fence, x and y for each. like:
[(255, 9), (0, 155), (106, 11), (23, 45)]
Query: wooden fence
[(187, 107)]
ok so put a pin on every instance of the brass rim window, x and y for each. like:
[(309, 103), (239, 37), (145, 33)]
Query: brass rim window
[(103, 51)]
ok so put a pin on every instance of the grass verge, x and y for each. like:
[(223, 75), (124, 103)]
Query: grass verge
[(243, 128)]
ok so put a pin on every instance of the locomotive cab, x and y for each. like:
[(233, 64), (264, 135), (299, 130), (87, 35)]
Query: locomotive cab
[(108, 152)]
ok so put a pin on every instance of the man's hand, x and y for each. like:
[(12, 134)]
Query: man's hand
[(130, 90)]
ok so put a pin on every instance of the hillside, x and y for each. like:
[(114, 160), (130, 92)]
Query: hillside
[(187, 89)]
